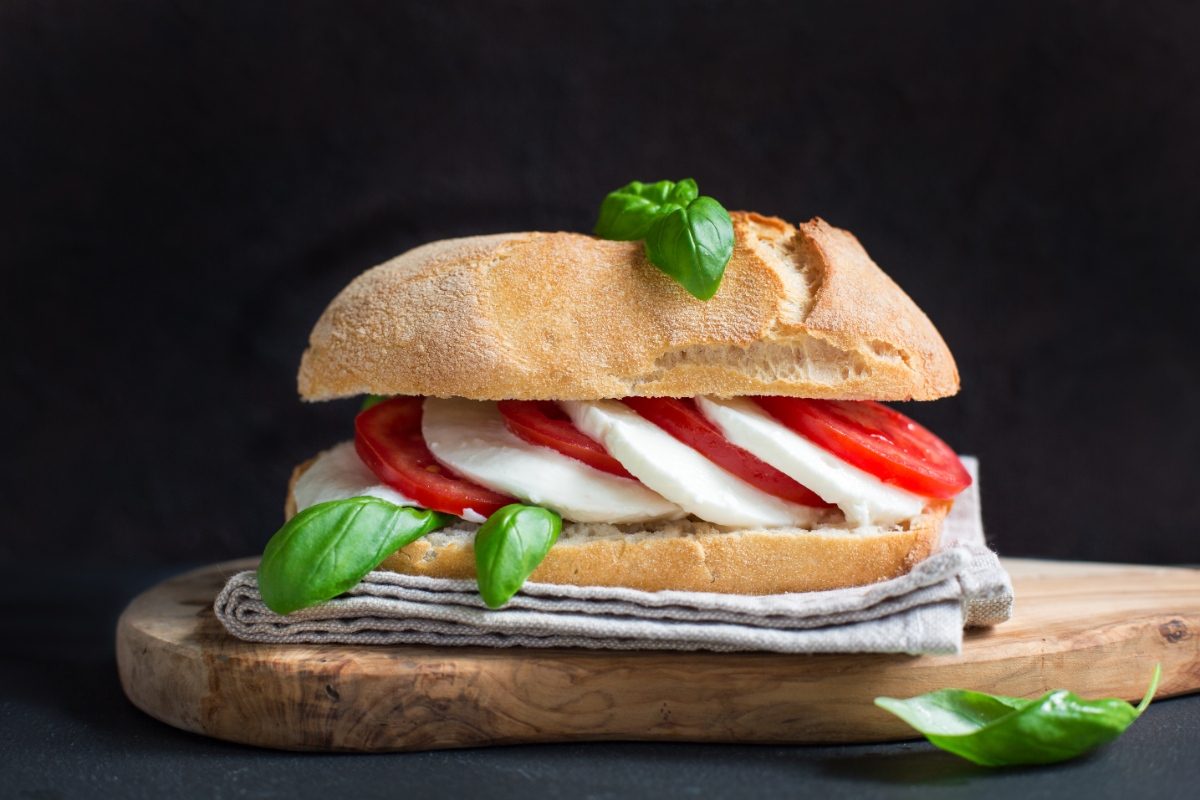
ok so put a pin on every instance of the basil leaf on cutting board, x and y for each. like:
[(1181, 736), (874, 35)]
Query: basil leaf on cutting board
[(995, 731), (509, 547), (326, 549), (688, 236)]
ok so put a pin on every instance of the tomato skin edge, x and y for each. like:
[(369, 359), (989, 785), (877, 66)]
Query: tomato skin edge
[(529, 422), (428, 483), (838, 427)]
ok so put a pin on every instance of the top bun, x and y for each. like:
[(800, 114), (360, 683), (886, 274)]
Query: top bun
[(802, 311)]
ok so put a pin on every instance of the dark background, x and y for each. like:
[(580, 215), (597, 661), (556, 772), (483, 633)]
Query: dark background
[(184, 186)]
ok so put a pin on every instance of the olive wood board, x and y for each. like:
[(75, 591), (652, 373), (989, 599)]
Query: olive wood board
[(1097, 629)]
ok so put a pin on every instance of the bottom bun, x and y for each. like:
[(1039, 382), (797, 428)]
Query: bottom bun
[(691, 555)]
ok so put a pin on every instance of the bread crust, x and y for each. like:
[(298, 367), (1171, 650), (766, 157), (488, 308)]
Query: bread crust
[(802, 311), (693, 556), (740, 562)]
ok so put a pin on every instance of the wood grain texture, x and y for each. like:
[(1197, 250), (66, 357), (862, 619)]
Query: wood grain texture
[(1097, 629)]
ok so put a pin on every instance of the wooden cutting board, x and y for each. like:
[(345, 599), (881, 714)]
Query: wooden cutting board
[(1097, 629)]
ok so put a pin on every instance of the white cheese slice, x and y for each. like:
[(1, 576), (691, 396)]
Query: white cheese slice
[(863, 498), (681, 474), (470, 437), (339, 473)]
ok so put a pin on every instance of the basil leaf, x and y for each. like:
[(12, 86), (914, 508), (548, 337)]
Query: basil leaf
[(683, 192), (688, 236), (994, 730), (508, 548), (373, 400), (693, 245), (326, 549), (627, 213)]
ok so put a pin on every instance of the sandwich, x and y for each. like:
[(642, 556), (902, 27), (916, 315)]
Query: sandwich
[(566, 408)]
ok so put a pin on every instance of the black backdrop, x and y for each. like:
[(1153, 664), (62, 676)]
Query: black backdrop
[(185, 185)]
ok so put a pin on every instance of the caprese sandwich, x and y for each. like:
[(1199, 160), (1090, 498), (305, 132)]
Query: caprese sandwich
[(562, 408)]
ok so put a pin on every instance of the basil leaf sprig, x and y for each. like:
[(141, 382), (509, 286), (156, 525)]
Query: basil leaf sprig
[(995, 731), (509, 547), (326, 549), (628, 213), (688, 236)]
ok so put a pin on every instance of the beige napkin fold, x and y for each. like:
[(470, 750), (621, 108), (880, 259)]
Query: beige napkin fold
[(925, 611)]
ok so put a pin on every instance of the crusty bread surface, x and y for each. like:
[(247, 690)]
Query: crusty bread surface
[(689, 555), (802, 311)]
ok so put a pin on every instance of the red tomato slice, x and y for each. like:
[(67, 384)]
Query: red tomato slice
[(680, 418), (543, 423), (388, 439), (876, 439)]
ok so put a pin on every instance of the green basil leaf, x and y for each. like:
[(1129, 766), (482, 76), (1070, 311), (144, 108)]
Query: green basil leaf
[(693, 245), (657, 192), (994, 730), (627, 213), (683, 193), (508, 548), (326, 549), (373, 400)]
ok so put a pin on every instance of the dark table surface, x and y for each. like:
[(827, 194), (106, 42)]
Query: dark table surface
[(67, 731)]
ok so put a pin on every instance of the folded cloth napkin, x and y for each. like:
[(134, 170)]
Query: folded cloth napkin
[(961, 584)]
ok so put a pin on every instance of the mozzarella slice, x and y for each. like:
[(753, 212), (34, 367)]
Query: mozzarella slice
[(339, 473), (863, 498), (681, 474), (470, 437)]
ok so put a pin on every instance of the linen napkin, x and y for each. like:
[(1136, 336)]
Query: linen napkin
[(961, 584)]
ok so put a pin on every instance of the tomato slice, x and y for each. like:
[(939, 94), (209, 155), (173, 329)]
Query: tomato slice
[(543, 423), (680, 418), (388, 439), (876, 439)]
